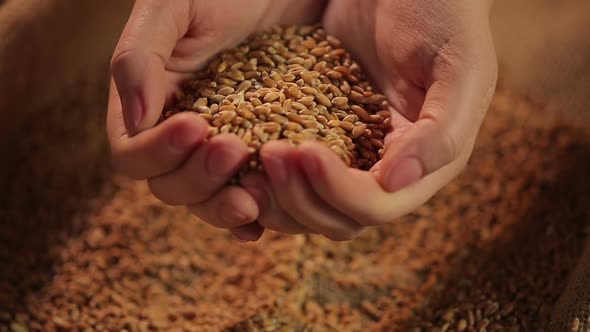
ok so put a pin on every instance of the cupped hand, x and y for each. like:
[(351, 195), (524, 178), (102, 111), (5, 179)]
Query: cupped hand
[(162, 43), (435, 61)]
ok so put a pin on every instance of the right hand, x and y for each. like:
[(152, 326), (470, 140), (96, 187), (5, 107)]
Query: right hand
[(163, 43)]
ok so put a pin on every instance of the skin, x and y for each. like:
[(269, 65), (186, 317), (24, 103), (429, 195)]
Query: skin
[(434, 60)]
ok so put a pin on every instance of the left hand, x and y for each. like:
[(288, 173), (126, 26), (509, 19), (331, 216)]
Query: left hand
[(435, 61)]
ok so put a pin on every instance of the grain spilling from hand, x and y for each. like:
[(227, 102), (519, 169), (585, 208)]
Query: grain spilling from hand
[(294, 84)]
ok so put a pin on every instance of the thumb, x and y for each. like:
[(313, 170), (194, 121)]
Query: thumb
[(138, 65), (443, 136)]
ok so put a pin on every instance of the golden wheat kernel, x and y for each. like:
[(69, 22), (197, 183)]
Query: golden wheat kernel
[(293, 126), (251, 94), (222, 66), (308, 64), (275, 76), (294, 117), (339, 101), (346, 126), (269, 82), (226, 90), (217, 98), (275, 109), (296, 61), (271, 127), (272, 96), (287, 104), (356, 97), (227, 116), (322, 119), (255, 102), (334, 74), (323, 88), (352, 118), (207, 93), (308, 112), (335, 91), (251, 75), (323, 100), (288, 77), (320, 51), (244, 86), (200, 102), (298, 106), (334, 123), (376, 119), (262, 110), (307, 78), (345, 88), (342, 69)]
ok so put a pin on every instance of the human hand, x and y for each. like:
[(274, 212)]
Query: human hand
[(435, 61), (163, 42)]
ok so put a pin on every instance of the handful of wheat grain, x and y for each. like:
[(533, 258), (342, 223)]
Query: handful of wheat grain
[(295, 84)]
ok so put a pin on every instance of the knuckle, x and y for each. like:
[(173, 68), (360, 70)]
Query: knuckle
[(447, 143), (450, 146), (119, 57)]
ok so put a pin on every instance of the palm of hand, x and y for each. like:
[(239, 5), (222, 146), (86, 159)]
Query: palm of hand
[(412, 50)]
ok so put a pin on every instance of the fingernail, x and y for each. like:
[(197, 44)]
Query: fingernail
[(185, 138), (404, 173), (132, 112), (222, 161), (236, 237), (276, 169)]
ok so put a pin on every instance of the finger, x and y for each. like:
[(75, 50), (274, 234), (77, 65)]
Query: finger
[(155, 152), (206, 171), (230, 208), (446, 130), (139, 61), (297, 198), (248, 233), (271, 215), (353, 192)]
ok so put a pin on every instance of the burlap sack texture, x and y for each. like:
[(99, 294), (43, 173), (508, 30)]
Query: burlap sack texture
[(53, 196), (572, 311)]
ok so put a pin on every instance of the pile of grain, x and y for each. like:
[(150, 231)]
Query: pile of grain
[(294, 84)]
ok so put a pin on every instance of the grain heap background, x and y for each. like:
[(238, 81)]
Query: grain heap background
[(111, 257), (80, 247)]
